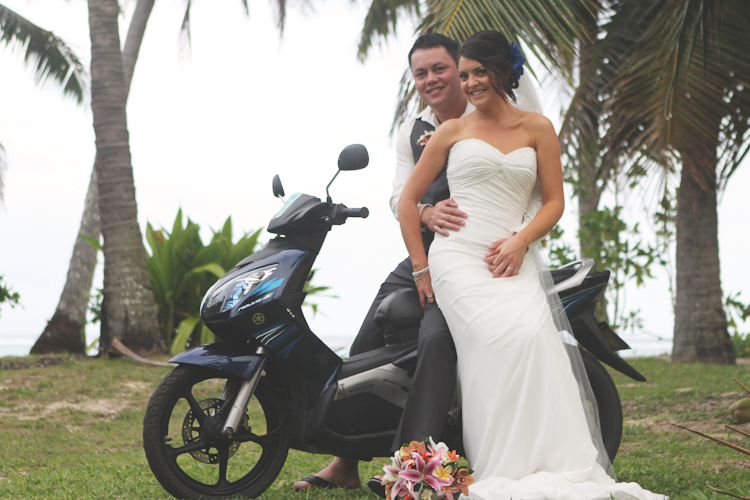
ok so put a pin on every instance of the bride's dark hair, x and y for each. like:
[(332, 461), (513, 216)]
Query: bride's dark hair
[(492, 50)]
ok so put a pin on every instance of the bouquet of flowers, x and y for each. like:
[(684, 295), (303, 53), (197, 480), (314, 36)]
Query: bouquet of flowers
[(425, 470)]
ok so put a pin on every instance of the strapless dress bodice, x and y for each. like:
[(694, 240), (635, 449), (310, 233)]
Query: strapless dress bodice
[(492, 187)]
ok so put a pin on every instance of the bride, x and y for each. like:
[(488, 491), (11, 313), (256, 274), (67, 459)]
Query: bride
[(525, 430)]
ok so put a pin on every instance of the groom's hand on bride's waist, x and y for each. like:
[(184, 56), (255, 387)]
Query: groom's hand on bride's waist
[(444, 215)]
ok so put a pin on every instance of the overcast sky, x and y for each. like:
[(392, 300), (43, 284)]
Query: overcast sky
[(209, 131)]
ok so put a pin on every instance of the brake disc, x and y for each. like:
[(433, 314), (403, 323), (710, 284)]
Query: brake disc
[(191, 431)]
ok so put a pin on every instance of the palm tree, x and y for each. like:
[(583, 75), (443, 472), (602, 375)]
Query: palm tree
[(65, 331), (128, 309), (55, 64), (683, 95)]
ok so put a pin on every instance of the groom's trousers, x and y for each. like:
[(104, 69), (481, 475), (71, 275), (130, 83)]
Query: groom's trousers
[(434, 381)]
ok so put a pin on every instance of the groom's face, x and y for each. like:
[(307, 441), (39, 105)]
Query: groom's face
[(436, 78)]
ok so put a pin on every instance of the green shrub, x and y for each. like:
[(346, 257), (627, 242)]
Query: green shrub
[(182, 269), (8, 295), (737, 313), (741, 345)]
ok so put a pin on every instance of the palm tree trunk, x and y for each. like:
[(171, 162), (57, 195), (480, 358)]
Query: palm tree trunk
[(700, 330), (65, 331), (128, 309), (69, 321), (134, 39), (590, 186)]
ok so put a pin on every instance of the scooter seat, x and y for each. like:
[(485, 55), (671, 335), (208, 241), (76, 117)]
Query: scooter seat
[(401, 309)]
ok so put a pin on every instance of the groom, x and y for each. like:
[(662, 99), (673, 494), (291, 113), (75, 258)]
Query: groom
[(434, 64)]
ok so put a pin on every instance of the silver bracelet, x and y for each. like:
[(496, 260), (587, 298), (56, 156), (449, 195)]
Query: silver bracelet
[(419, 274)]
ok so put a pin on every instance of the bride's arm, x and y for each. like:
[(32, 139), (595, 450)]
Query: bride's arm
[(510, 255), (428, 167)]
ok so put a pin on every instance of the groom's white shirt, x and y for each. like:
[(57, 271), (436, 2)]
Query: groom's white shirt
[(405, 164)]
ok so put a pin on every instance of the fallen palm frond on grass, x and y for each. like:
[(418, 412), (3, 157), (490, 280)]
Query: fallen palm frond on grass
[(725, 443)]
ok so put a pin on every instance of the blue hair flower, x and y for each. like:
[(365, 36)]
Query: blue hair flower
[(518, 62)]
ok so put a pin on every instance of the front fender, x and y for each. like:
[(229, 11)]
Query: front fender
[(236, 359)]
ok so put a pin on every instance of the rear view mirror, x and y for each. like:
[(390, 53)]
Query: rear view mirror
[(354, 157), (278, 189)]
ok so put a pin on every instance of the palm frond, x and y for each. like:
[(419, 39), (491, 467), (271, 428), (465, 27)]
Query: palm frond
[(184, 39), (549, 28), (54, 62), (381, 20), (683, 88), (409, 102), (601, 59), (280, 14)]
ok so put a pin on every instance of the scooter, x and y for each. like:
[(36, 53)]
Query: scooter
[(221, 423)]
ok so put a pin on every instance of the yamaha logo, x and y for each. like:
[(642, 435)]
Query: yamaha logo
[(258, 318)]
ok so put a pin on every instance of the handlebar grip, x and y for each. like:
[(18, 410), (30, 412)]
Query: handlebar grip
[(356, 212)]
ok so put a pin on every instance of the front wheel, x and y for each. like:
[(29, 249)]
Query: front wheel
[(186, 450)]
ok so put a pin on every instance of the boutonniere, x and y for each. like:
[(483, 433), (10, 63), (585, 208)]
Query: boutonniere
[(424, 138)]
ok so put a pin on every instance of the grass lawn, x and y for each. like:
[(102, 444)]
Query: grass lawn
[(72, 430)]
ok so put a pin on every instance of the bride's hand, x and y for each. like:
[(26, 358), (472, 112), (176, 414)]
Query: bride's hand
[(424, 287), (506, 256)]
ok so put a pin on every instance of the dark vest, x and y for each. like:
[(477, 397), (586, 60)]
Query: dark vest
[(438, 190)]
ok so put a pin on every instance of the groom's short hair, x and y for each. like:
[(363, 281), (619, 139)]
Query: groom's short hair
[(432, 40)]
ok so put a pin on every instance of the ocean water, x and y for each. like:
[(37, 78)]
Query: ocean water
[(15, 345), (642, 344)]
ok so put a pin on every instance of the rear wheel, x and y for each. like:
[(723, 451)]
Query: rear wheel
[(186, 450), (608, 402)]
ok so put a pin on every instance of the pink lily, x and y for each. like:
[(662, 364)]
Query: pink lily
[(391, 471), (450, 491), (439, 450), (424, 473), (392, 475)]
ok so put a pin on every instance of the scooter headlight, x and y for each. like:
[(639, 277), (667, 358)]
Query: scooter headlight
[(227, 295)]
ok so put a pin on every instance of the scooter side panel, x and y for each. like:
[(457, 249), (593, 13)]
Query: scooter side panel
[(235, 359)]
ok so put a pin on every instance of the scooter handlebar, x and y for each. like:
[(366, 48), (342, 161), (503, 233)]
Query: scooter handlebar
[(356, 212)]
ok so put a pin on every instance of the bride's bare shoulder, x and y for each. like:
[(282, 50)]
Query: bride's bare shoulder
[(537, 123), (454, 125), (450, 130)]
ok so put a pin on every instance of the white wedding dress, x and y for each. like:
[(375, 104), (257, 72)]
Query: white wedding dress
[(525, 432)]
